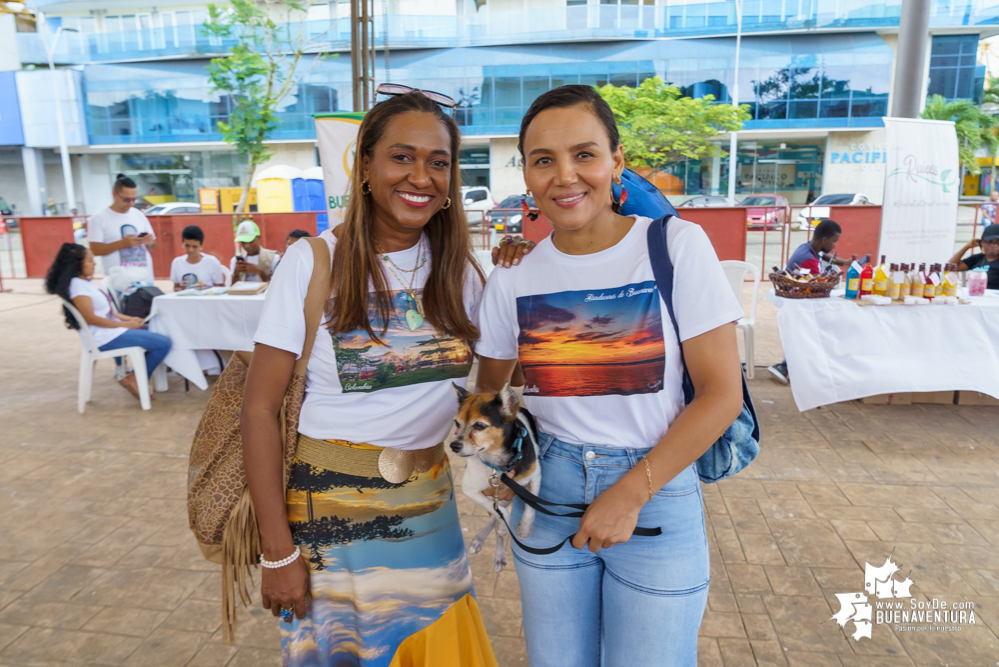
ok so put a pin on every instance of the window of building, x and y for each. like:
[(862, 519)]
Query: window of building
[(954, 70)]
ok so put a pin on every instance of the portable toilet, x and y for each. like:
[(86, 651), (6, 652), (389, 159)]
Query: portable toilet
[(314, 185), (274, 188), (299, 194)]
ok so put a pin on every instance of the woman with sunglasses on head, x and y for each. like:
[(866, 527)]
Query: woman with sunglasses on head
[(363, 554), (604, 373)]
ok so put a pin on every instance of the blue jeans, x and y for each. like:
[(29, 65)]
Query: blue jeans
[(157, 346), (637, 604)]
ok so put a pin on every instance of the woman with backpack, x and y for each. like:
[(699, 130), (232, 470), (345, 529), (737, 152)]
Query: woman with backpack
[(69, 277), (604, 378), (363, 554)]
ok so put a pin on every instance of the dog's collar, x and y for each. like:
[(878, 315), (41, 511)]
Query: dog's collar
[(518, 448)]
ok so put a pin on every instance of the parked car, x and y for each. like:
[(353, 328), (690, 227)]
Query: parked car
[(811, 215), (710, 200), (477, 198), (766, 211), (5, 209), (507, 221), (174, 208)]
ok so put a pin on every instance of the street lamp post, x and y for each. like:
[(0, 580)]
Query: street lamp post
[(67, 167), (733, 163)]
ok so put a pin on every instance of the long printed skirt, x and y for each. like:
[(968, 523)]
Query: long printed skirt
[(390, 581)]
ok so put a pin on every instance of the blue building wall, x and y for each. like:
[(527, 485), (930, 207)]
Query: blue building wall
[(830, 80), (11, 133)]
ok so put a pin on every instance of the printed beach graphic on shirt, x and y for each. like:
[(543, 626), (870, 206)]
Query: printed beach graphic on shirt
[(592, 342), (408, 357)]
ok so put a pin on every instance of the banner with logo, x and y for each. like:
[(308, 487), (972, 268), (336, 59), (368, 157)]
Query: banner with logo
[(337, 134), (922, 183)]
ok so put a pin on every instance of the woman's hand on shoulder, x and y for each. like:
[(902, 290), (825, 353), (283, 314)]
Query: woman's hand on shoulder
[(510, 250)]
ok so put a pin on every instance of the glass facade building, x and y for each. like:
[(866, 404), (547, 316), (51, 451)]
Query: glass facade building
[(788, 82), (809, 71)]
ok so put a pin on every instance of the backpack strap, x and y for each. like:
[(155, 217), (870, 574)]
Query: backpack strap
[(662, 268), (316, 298)]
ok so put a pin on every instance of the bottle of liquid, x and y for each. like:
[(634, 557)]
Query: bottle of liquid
[(932, 288), (950, 280), (867, 280), (905, 284), (882, 278), (853, 279), (919, 281), (895, 282)]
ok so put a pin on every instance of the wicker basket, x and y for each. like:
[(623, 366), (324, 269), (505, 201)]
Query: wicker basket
[(792, 289)]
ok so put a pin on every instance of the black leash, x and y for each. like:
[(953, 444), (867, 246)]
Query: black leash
[(537, 503)]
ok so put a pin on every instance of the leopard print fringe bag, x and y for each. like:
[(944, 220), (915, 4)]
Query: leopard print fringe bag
[(219, 508)]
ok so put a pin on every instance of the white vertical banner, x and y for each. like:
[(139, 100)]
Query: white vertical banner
[(336, 135), (922, 184)]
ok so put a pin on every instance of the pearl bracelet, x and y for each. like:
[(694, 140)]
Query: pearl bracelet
[(276, 564)]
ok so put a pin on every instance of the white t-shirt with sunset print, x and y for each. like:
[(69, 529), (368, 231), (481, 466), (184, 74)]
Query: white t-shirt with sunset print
[(393, 395), (600, 357)]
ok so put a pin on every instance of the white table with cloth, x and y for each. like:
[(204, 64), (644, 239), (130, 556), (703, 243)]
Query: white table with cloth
[(216, 322), (837, 350)]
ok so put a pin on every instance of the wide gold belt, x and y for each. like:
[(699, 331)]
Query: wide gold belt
[(363, 460)]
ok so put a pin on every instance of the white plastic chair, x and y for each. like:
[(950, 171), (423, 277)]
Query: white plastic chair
[(736, 272), (107, 286), (91, 354), (227, 274)]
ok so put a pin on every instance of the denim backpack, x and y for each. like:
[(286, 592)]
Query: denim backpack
[(741, 442), (643, 197)]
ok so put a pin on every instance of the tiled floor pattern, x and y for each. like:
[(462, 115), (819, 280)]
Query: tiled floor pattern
[(97, 565)]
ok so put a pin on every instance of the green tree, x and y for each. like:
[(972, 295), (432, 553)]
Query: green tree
[(991, 93), (261, 70), (974, 128), (659, 126)]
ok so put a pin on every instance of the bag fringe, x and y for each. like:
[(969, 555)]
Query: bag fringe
[(240, 551)]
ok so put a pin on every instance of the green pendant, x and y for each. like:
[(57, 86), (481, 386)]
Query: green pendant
[(413, 320)]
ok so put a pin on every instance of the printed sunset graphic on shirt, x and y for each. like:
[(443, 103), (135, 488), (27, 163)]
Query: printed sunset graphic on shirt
[(407, 357), (592, 342)]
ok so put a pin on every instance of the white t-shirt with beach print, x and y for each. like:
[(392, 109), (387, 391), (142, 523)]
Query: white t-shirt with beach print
[(393, 395), (107, 226), (600, 357), (208, 271)]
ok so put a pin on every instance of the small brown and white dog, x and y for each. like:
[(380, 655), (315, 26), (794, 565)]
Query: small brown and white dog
[(497, 436)]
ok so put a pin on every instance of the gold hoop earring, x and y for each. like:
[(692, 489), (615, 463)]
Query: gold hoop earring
[(447, 204), (365, 188)]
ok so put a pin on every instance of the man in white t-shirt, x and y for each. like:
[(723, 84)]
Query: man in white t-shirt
[(254, 263), (195, 269), (120, 234)]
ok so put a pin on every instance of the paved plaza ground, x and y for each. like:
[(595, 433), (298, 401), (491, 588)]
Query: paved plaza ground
[(97, 565)]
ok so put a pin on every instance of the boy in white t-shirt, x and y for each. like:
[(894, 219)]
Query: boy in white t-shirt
[(195, 269), (120, 234)]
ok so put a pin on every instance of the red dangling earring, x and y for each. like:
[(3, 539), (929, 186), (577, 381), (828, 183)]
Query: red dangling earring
[(619, 194), (525, 209)]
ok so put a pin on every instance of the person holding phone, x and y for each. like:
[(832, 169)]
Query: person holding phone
[(253, 262), (121, 234)]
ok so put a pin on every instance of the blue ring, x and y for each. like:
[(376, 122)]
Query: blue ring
[(287, 615)]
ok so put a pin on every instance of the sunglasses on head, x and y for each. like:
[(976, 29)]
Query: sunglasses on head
[(393, 89)]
